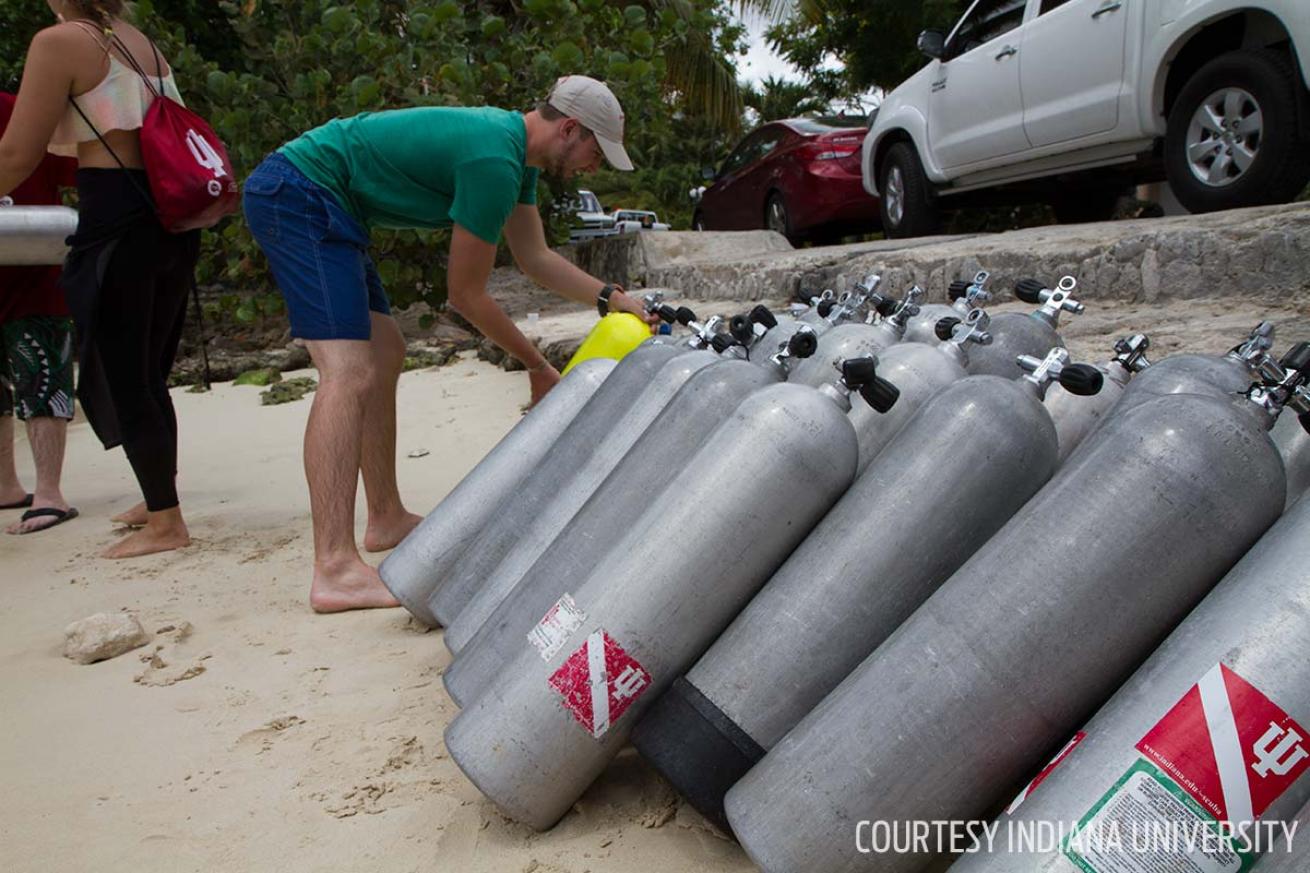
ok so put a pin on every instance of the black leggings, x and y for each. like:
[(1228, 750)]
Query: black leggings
[(138, 323)]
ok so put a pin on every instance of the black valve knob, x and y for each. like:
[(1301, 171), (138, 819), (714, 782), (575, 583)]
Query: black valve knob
[(686, 316), (803, 344), (1029, 290), (722, 342), (945, 328), (741, 329), (666, 313), (859, 371), (959, 288), (880, 394), (762, 315), (825, 308), (1081, 379), (806, 297), (1297, 358), (883, 305)]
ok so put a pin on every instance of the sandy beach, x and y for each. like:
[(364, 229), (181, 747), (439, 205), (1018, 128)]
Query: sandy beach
[(253, 735)]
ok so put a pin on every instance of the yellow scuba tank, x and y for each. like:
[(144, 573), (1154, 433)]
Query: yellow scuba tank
[(613, 337)]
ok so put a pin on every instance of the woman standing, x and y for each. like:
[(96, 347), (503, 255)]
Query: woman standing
[(85, 92)]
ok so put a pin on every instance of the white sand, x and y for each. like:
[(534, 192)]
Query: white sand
[(272, 739), (298, 742)]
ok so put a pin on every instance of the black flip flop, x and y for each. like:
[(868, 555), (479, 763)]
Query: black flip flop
[(21, 504), (59, 515)]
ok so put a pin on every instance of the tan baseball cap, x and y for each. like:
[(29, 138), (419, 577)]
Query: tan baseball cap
[(594, 105)]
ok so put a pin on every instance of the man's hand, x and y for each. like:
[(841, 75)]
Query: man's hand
[(542, 380), (620, 302)]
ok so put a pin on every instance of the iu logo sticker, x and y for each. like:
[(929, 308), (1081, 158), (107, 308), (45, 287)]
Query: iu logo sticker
[(204, 153), (1231, 748), (599, 682)]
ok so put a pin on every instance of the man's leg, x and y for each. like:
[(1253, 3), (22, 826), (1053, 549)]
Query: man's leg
[(334, 438), (44, 395), (388, 520), (11, 490), (47, 436)]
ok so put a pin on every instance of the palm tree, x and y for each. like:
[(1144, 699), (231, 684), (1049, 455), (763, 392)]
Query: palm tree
[(779, 98)]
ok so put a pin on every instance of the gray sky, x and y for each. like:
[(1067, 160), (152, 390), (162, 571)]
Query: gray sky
[(759, 62)]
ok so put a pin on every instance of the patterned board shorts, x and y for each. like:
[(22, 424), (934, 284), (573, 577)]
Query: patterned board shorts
[(36, 370)]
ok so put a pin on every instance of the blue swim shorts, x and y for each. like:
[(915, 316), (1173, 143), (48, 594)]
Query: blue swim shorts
[(317, 251)]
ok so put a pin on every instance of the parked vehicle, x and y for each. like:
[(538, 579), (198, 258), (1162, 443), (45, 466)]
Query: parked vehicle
[(1071, 102), (590, 220), (633, 220), (800, 177)]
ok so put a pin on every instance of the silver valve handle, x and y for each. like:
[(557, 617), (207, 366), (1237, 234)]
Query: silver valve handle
[(973, 329), (651, 301), (906, 309), (703, 333), (866, 286), (1255, 350), (1059, 299), (970, 294), (1081, 379), (1130, 352)]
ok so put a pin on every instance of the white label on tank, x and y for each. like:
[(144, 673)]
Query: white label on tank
[(553, 631)]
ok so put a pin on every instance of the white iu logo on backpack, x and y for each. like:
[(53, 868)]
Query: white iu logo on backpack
[(206, 157)]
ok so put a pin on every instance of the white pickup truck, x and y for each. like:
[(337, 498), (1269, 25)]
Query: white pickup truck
[(1071, 102)]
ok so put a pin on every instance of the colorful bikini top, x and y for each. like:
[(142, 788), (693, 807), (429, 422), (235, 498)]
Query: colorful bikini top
[(118, 102)]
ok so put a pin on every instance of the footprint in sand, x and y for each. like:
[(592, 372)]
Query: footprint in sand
[(160, 671), (261, 739), (384, 789)]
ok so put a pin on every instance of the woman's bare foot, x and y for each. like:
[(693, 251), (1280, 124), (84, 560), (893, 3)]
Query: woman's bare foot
[(134, 517), (386, 533), (163, 531), (349, 584)]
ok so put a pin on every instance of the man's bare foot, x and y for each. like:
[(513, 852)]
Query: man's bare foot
[(163, 531), (14, 494), (134, 517), (350, 584), (386, 533)]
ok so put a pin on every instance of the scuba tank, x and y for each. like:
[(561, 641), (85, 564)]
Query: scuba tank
[(966, 462), (575, 446), (562, 708), (691, 416), (857, 339), (920, 371), (965, 296), (1033, 333), (1013, 652), (423, 558), (1076, 416), (1229, 684), (615, 335)]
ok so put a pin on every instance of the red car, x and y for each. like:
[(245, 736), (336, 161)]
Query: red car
[(800, 177)]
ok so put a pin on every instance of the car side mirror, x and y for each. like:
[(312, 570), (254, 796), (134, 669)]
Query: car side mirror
[(707, 173), (932, 43)]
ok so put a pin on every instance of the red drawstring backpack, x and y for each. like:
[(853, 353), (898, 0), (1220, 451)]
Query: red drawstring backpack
[(190, 175)]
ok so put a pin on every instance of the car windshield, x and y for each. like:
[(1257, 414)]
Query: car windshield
[(588, 202)]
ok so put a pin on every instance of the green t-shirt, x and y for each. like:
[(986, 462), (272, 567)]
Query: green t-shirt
[(422, 168)]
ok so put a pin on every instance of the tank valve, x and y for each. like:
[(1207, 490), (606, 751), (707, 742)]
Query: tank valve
[(972, 292), (1285, 384), (1053, 301), (905, 309), (1255, 350), (1130, 352), (741, 328), (1081, 379), (861, 375), (970, 329), (762, 316)]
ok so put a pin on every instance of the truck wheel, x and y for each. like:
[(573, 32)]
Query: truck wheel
[(1232, 137), (906, 203)]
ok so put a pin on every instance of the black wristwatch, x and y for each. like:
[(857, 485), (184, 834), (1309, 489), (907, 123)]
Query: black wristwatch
[(603, 300)]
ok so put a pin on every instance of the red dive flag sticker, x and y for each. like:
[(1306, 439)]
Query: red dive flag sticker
[(599, 682), (1229, 746)]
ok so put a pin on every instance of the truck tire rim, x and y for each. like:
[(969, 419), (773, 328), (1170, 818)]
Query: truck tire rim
[(1224, 137), (894, 196), (777, 216)]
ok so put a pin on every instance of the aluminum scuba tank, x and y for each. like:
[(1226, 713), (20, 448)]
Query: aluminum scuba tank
[(416, 567), (526, 542), (1294, 444), (1076, 416), (691, 416), (1210, 728), (965, 296), (565, 457), (857, 339), (825, 313), (967, 461), (534, 741), (1024, 641), (921, 370), (1033, 333)]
